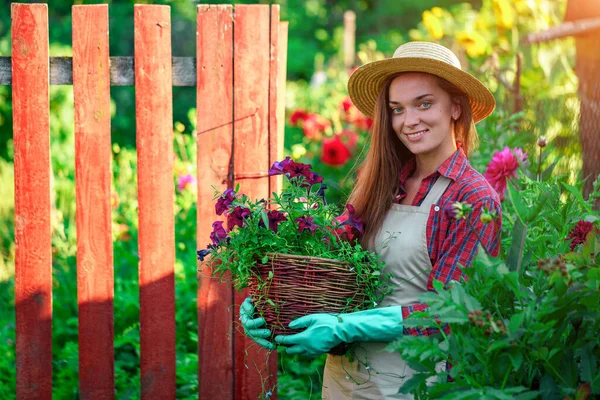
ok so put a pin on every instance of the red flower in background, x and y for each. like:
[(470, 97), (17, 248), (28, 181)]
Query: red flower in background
[(298, 116), (504, 166), (349, 138), (335, 153), (579, 233), (314, 125), (352, 115)]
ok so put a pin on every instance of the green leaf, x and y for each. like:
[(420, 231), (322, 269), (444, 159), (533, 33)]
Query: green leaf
[(548, 171), (531, 395), (515, 322), (577, 194), (518, 203), (516, 358), (548, 388), (515, 253), (413, 383), (534, 212)]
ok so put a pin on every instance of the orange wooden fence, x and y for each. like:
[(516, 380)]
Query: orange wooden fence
[(239, 72)]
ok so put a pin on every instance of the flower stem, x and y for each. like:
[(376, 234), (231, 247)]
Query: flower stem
[(477, 234), (539, 171)]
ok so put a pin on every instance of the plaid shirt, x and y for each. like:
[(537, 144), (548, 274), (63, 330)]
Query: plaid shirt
[(451, 243)]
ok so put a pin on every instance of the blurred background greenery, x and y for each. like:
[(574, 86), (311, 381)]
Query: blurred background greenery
[(322, 128)]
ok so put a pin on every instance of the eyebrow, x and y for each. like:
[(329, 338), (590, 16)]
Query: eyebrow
[(415, 99)]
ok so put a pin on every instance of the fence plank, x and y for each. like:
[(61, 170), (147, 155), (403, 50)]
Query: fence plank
[(251, 155), (154, 116), (33, 242), (95, 289), (214, 107), (275, 141)]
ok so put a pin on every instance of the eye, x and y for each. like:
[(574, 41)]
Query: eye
[(425, 104), (397, 110)]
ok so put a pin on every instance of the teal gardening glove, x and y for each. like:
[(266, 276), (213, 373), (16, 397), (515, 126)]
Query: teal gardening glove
[(251, 325), (325, 331)]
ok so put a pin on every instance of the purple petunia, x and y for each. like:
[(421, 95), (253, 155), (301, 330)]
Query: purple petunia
[(294, 169), (225, 201), (305, 223), (278, 166), (312, 179), (237, 216), (275, 217), (202, 254), (353, 220), (218, 234)]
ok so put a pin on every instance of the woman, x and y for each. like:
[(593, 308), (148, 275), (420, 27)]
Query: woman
[(424, 107)]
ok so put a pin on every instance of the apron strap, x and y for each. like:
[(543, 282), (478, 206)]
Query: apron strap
[(439, 187)]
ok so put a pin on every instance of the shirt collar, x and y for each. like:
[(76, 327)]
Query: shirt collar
[(452, 168)]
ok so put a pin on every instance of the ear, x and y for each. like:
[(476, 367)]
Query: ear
[(455, 111)]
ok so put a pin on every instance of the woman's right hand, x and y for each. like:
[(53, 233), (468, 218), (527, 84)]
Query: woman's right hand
[(252, 325)]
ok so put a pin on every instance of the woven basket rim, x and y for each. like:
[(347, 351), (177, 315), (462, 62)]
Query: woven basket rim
[(307, 258)]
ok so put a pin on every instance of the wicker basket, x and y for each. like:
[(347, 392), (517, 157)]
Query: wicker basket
[(301, 285)]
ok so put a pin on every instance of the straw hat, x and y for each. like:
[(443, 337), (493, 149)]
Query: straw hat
[(366, 82)]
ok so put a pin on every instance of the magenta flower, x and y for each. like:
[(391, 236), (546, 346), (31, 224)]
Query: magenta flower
[(504, 166), (294, 169), (305, 223), (579, 233), (185, 182), (353, 220), (237, 217), (278, 166), (218, 234), (312, 179), (225, 201), (275, 217)]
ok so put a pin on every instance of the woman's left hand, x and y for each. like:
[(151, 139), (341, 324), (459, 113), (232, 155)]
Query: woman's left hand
[(318, 338)]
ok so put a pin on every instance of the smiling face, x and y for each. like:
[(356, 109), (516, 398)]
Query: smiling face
[(421, 114)]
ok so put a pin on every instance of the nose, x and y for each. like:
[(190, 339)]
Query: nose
[(411, 118)]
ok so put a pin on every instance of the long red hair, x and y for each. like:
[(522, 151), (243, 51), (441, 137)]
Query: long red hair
[(377, 180)]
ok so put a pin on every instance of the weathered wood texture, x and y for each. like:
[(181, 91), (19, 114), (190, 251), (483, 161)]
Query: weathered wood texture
[(214, 107), (122, 71), (240, 114), (95, 289), (251, 71), (33, 244), (154, 119)]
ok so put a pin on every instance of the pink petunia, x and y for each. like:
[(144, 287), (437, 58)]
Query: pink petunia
[(504, 166)]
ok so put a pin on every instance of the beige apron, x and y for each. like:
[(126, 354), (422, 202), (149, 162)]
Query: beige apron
[(402, 244)]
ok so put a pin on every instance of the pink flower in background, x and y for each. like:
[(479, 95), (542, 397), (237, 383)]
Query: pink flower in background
[(579, 233), (352, 115), (504, 166), (335, 152), (186, 182)]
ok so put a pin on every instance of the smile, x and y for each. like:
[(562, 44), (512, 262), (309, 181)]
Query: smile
[(415, 135)]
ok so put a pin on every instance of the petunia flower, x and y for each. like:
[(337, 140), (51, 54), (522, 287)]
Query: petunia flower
[(321, 192), (224, 201), (503, 167), (237, 217), (202, 254), (312, 179), (218, 234), (278, 166), (294, 169), (579, 233), (335, 152), (305, 223), (275, 217)]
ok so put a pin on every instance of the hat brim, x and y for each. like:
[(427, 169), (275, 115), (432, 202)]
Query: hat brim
[(367, 81)]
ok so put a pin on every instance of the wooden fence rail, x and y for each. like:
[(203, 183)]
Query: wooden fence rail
[(239, 73)]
